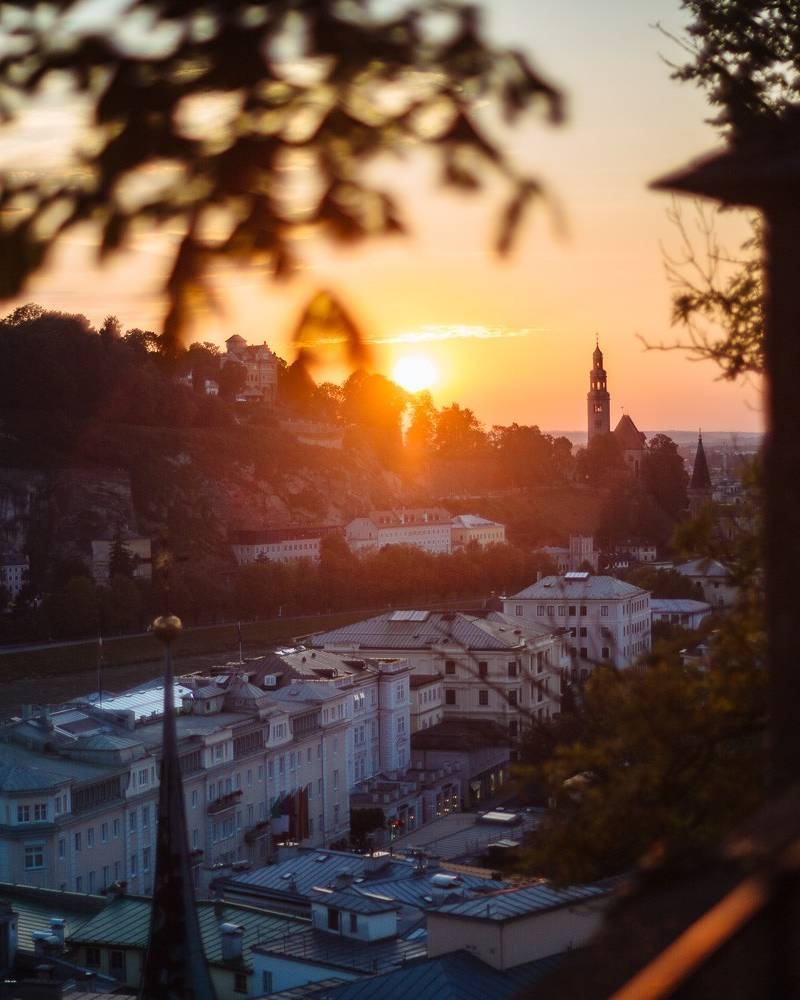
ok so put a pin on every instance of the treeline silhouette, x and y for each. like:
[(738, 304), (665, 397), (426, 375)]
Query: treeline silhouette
[(396, 575)]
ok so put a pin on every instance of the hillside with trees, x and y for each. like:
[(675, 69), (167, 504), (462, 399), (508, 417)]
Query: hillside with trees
[(103, 432)]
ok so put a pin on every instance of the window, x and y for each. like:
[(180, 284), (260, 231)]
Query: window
[(512, 697), (240, 982), (91, 882), (78, 883), (550, 610), (513, 728), (195, 839), (146, 859), (353, 923), (540, 694), (540, 610), (449, 697), (132, 866), (572, 609), (583, 609), (449, 666), (518, 610), (34, 856), (333, 919), (483, 668), (104, 832), (93, 957), (77, 841), (132, 821), (116, 962), (584, 632), (40, 812), (604, 610), (90, 837), (23, 814), (512, 669), (584, 653), (483, 697), (266, 982), (105, 876), (335, 779), (604, 652), (62, 848), (194, 799)]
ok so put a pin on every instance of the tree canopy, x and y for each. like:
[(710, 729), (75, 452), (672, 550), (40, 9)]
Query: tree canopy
[(322, 86)]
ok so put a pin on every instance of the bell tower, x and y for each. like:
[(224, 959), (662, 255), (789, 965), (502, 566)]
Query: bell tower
[(597, 399)]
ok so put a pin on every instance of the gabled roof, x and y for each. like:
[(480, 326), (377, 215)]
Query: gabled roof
[(511, 904), (400, 631), (628, 435), (125, 923), (703, 567), (23, 777), (36, 907), (591, 588), (309, 868), (455, 976), (677, 605), (701, 478), (354, 902)]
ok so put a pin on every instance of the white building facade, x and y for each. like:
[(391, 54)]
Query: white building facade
[(492, 667), (607, 620)]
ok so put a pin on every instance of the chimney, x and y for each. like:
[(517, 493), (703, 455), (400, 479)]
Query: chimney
[(27, 712), (57, 929), (219, 908), (232, 936)]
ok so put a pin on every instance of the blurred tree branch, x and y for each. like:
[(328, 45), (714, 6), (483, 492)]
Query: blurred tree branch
[(243, 125)]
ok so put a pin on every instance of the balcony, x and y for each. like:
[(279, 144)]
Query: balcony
[(227, 801)]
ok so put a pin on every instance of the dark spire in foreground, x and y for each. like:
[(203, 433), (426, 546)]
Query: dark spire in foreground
[(175, 966), (701, 478)]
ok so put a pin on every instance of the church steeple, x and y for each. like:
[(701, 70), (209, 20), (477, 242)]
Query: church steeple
[(598, 401), (700, 484)]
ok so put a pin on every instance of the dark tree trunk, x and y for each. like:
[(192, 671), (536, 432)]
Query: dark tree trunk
[(782, 487)]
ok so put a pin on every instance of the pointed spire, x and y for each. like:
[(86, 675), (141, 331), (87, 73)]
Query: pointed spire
[(175, 966), (701, 478)]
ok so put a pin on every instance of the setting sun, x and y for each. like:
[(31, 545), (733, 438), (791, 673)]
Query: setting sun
[(415, 372)]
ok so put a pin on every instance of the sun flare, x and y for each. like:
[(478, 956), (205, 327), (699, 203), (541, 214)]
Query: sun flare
[(415, 372)]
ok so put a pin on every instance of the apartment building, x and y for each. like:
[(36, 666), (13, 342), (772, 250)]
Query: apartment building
[(493, 667), (432, 529), (260, 761), (606, 620), (279, 544)]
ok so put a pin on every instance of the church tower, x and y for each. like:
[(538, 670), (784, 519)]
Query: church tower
[(700, 485), (598, 400)]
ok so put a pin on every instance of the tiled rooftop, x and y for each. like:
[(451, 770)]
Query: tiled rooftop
[(592, 588)]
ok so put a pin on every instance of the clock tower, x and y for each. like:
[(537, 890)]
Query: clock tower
[(598, 399)]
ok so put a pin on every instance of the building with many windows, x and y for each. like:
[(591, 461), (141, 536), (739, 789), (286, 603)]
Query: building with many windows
[(493, 667), (261, 368), (606, 620), (267, 752), (428, 528), (279, 544), (433, 529), (14, 568)]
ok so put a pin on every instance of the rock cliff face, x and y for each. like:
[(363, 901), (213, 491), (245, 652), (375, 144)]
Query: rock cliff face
[(195, 485)]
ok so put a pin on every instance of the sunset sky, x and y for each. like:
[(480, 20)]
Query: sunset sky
[(510, 338)]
